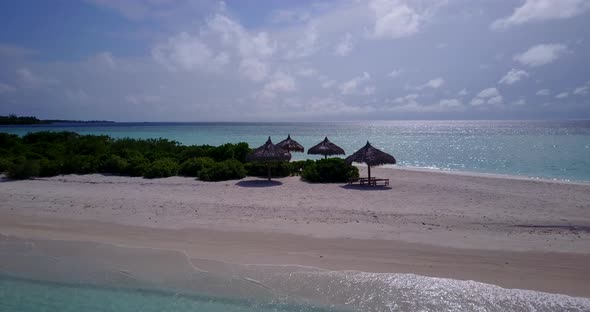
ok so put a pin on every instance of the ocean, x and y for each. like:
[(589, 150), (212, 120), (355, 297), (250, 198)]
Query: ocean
[(537, 149)]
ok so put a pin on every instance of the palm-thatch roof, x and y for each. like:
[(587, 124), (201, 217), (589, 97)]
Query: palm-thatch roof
[(370, 156), (326, 148), (290, 145), (268, 152)]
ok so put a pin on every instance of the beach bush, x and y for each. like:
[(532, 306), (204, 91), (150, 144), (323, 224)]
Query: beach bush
[(279, 169), (80, 164), (4, 164), (72, 153), (331, 170), (137, 165), (113, 164), (193, 166), (49, 168), (230, 169), (161, 168), (23, 169)]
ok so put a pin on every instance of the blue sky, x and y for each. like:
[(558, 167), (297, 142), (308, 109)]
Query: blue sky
[(254, 60)]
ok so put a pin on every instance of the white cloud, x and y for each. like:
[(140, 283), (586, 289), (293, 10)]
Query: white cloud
[(326, 84), (254, 69), (233, 34), (289, 16), (562, 95), (489, 96), (409, 99), (395, 73), (543, 92), (306, 72), (541, 54), (306, 45), (105, 59), (394, 20), (450, 103), (280, 83), (462, 93), (186, 52), (344, 47), (521, 101), (369, 90), (28, 79), (582, 90), (542, 10), (432, 83), (488, 93), (5, 88), (513, 76), (351, 86)]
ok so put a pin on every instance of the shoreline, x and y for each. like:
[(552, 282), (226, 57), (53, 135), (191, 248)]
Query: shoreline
[(218, 252), (516, 233)]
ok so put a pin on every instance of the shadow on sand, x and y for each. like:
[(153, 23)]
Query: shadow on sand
[(366, 187), (259, 183)]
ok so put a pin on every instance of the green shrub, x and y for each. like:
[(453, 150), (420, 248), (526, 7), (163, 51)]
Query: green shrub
[(161, 168), (114, 164), (296, 167), (193, 166), (260, 169), (23, 169), (137, 165), (329, 170), (226, 170), (4, 164), (49, 168), (80, 164)]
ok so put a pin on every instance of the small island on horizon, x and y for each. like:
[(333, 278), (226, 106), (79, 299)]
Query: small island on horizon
[(32, 120)]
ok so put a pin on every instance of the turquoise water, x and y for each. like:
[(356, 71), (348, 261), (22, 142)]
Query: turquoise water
[(544, 149), (22, 295)]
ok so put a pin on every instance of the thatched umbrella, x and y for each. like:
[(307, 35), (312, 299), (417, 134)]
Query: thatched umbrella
[(370, 156), (267, 153), (290, 145), (326, 148)]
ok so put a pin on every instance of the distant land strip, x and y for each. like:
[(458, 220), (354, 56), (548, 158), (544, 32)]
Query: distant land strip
[(31, 120)]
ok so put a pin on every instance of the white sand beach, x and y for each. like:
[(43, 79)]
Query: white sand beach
[(512, 232)]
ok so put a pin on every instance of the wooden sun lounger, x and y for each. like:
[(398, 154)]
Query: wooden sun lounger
[(366, 181)]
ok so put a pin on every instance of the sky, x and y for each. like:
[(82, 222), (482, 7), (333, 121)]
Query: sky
[(281, 60)]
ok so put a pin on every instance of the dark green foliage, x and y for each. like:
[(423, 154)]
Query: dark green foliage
[(329, 170), (137, 165), (80, 164), (23, 169), (226, 170), (14, 120), (278, 169), (193, 166), (161, 168), (113, 164), (69, 152), (49, 168), (4, 164)]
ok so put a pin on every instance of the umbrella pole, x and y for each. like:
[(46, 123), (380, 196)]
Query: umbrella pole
[(325, 156), (269, 172), (369, 168)]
